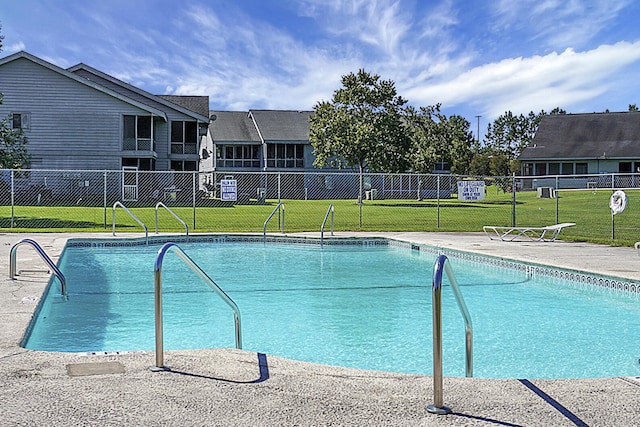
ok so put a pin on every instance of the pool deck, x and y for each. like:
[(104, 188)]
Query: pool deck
[(234, 387)]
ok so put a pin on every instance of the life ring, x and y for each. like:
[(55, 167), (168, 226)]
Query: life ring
[(618, 202)]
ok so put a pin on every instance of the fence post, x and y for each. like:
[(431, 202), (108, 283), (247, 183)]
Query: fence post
[(360, 196), (104, 197), (556, 194), (13, 192), (438, 201), (278, 187), (194, 198), (513, 203)]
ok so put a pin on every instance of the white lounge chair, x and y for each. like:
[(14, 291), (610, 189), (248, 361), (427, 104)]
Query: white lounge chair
[(545, 234)]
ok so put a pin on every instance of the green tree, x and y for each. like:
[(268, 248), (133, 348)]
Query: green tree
[(509, 134), (362, 127), (13, 148), (426, 129), (460, 142), (13, 142), (633, 107), (480, 163)]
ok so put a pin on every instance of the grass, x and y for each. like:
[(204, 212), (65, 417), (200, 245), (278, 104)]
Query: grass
[(589, 209)]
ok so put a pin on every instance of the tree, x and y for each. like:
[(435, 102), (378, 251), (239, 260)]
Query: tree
[(426, 130), (633, 107), (509, 134), (362, 127), (436, 138), (460, 142), (13, 148), (13, 142)]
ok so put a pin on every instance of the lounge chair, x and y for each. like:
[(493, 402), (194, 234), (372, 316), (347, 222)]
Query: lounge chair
[(543, 234)]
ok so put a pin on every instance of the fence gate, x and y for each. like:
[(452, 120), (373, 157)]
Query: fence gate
[(129, 184)]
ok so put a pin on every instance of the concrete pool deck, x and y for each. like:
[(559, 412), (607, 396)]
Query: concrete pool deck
[(235, 387)]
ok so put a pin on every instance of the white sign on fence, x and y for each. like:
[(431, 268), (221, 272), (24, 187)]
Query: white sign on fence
[(229, 189), (470, 190)]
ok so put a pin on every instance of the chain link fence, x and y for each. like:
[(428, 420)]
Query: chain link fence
[(89, 200)]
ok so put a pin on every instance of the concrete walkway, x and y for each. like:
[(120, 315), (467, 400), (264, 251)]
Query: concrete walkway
[(234, 387)]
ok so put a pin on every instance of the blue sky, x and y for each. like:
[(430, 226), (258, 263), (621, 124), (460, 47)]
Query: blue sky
[(474, 57)]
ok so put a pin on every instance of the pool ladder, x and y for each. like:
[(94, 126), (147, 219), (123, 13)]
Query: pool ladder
[(280, 210), (157, 275), (113, 220), (184, 224), (45, 258), (439, 267), (329, 214)]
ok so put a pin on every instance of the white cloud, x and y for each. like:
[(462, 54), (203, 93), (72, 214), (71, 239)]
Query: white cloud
[(532, 84), (381, 24), (15, 47), (558, 24)]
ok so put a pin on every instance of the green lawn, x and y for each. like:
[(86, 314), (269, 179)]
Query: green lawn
[(589, 209)]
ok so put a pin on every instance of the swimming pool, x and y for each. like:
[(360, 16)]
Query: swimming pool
[(363, 303)]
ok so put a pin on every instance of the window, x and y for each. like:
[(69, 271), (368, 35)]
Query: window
[(541, 169), (581, 169), (567, 169), (554, 168), (238, 156), (184, 137), (21, 121), (179, 165), (137, 133), (285, 155), (141, 164), (624, 167), (441, 167), (527, 169)]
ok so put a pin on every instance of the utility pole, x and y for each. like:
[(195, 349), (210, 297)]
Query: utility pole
[(478, 134)]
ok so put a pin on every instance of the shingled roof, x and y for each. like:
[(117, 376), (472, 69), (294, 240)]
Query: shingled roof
[(197, 104), (282, 125), (233, 126), (586, 136)]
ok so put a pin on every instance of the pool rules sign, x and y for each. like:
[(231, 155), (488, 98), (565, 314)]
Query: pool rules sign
[(470, 190), (229, 190)]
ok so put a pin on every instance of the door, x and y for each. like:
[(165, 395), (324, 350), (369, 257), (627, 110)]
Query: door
[(129, 184)]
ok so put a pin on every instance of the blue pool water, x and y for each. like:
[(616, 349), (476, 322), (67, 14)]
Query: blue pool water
[(359, 306)]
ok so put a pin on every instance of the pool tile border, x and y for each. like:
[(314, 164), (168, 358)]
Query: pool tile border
[(532, 270)]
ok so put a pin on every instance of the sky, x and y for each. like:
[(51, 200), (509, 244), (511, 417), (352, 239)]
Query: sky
[(475, 58)]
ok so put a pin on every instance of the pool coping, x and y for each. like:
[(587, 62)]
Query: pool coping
[(233, 387)]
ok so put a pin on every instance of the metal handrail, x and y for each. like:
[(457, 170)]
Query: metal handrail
[(115, 205), (329, 211), (186, 227), (45, 258), (157, 278), (279, 207), (436, 295)]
